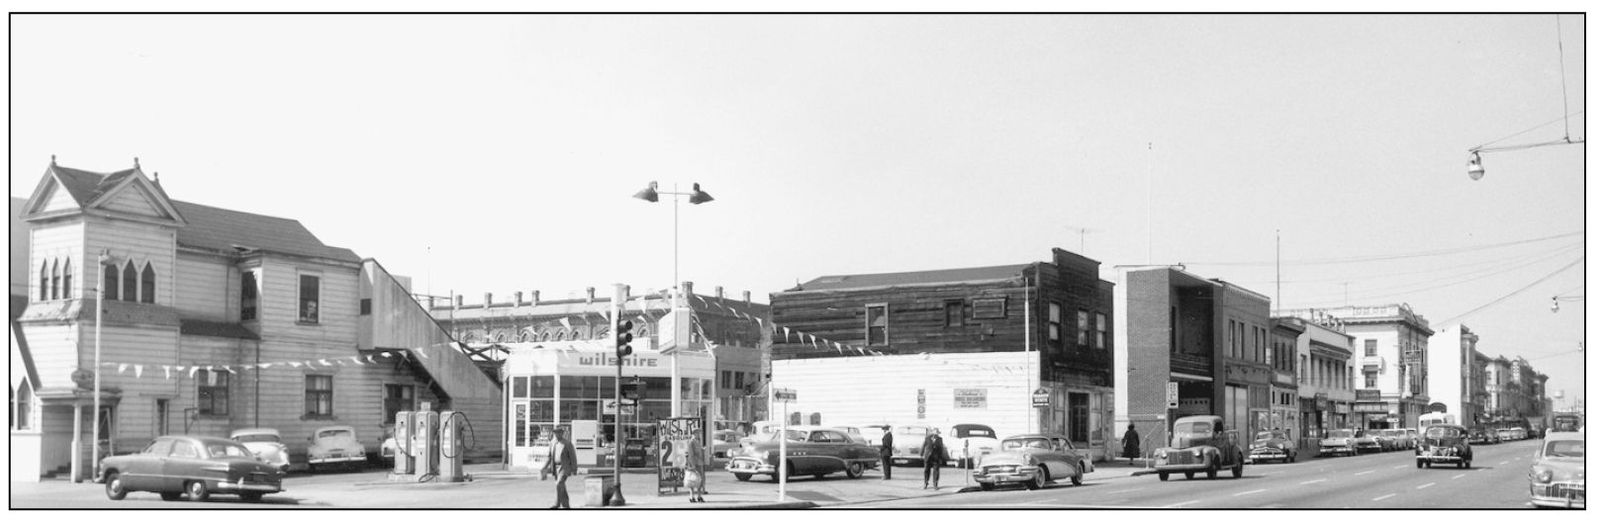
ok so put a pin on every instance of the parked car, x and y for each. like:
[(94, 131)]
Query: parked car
[(810, 450), (1482, 436), (856, 433), (1272, 445), (872, 433), (1414, 437), (1200, 443), (1367, 441), (1340, 441), (1556, 476), (968, 443), (174, 465), (1512, 434), (1392, 439), (907, 441), (724, 442), (1034, 460), (1445, 443), (266, 444), (1402, 438), (334, 446), (388, 449)]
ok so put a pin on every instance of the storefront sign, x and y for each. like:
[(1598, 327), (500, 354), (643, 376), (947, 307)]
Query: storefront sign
[(1370, 407), (969, 398), (1039, 398), (1368, 395), (673, 445)]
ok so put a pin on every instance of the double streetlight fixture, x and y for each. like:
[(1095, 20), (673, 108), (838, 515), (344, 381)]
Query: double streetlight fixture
[(695, 196)]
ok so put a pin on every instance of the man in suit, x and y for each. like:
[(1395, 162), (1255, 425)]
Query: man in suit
[(886, 452), (565, 464), (934, 454)]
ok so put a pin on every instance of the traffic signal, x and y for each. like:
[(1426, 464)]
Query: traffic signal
[(630, 390), (623, 337)]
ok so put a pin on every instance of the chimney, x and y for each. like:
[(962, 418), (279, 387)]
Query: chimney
[(746, 296), (534, 297), (718, 291), (518, 298), (459, 303), (590, 294), (487, 300), (685, 289)]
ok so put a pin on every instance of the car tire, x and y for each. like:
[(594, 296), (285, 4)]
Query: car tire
[(986, 486), (197, 491), (1188, 474), (1040, 481), (1164, 476), (743, 477), (171, 495), (855, 469), (1075, 480), (251, 496), (1211, 472), (114, 486), (1237, 471), (1420, 464)]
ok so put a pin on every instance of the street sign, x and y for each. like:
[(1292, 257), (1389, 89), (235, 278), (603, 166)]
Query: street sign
[(785, 395), (1039, 398), (1172, 395)]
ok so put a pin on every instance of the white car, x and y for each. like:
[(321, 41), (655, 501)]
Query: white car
[(266, 445), (907, 441), (335, 446), (967, 443), (855, 433)]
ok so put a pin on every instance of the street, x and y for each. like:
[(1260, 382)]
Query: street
[(1496, 480)]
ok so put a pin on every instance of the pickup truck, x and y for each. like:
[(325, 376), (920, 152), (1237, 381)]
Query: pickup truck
[(1200, 443)]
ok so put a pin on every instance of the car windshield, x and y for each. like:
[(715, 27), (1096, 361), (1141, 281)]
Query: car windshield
[(911, 430), (1265, 436), (1440, 432), (1567, 448), (1040, 443), (1195, 427), (334, 434), (258, 437), (973, 430), (1339, 434), (791, 436), (226, 449)]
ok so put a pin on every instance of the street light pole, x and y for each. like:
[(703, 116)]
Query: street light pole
[(695, 196), (100, 310)]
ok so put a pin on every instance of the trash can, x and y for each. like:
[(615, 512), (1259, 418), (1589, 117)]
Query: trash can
[(598, 490)]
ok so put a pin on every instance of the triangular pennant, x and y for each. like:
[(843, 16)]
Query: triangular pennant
[(260, 366), (211, 376), (293, 364), (167, 372), (838, 348), (122, 367), (788, 333), (370, 358), (325, 362), (192, 371), (139, 371), (230, 369), (566, 324), (355, 361)]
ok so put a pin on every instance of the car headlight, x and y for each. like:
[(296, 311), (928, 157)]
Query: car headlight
[(1544, 475)]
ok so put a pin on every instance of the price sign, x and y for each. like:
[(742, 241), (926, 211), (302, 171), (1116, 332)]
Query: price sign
[(1172, 395)]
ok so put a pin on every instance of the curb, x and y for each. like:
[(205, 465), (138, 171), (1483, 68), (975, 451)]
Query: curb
[(795, 504)]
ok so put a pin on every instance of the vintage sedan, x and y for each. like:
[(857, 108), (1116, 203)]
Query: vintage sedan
[(1199, 443), (810, 450), (1482, 436), (1272, 445), (1556, 476), (907, 441), (266, 444), (725, 442), (1444, 444), (334, 446), (1367, 441), (174, 465), (1033, 460), (968, 443), (1391, 440), (1339, 441)]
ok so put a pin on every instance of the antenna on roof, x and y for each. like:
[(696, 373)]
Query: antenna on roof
[(136, 163)]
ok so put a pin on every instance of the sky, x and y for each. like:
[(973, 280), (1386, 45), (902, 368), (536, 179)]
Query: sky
[(499, 153)]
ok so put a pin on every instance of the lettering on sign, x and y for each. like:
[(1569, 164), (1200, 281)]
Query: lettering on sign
[(1039, 398), (785, 395), (606, 360), (971, 398)]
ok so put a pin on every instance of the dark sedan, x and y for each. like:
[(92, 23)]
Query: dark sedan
[(810, 450), (173, 466), (1272, 445)]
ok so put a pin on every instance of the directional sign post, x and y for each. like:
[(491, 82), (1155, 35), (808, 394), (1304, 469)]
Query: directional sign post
[(785, 396)]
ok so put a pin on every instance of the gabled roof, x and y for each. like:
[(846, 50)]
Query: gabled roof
[(85, 186), (859, 281), (221, 230)]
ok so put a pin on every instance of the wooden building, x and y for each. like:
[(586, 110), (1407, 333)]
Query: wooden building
[(213, 320)]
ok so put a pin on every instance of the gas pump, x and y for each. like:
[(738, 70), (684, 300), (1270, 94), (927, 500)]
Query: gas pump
[(451, 446), (403, 437), (425, 442)]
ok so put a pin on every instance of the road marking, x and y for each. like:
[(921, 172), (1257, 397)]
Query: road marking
[(1248, 492), (1384, 497), (1179, 504), (1458, 476), (1312, 481), (1364, 472), (1400, 466), (1504, 463), (1427, 485), (1123, 491)]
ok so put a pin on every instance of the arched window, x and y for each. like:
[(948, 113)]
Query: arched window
[(111, 282), (468, 337), (55, 279), (499, 338), (23, 407), (796, 419), (44, 280), (66, 279), (526, 337), (147, 284), (130, 283), (546, 335)]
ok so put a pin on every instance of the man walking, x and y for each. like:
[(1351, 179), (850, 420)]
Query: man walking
[(886, 452), (934, 455), (565, 463)]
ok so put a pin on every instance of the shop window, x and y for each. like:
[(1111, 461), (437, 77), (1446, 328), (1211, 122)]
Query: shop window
[(398, 398), (248, 291), (1054, 321), (307, 308), (542, 387), (1081, 328), (110, 282), (1370, 379), (211, 392), (875, 324), (319, 397), (147, 285), (954, 312), (130, 283)]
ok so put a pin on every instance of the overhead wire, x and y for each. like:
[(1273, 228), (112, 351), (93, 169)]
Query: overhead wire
[(1540, 125), (1517, 291), (1383, 257), (1486, 262), (1432, 284)]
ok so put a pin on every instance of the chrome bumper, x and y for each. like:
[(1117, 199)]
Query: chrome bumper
[(1558, 494), (1000, 476)]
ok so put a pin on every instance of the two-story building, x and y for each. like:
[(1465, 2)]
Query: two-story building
[(1325, 374), (1194, 346), (953, 346), (205, 320), (1391, 344)]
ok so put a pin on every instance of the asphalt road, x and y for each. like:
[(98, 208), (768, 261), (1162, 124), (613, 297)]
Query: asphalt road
[(1497, 479)]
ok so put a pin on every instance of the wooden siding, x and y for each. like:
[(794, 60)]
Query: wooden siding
[(133, 199), (58, 199), (140, 243), (55, 355), (60, 241), (875, 398), (204, 285), (337, 308)]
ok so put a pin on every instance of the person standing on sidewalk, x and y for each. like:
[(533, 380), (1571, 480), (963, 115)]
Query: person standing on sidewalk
[(934, 454), (565, 464), (696, 471), (886, 452), (1132, 444)]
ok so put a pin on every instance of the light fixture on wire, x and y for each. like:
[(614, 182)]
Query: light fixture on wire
[(1554, 302), (1474, 167)]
